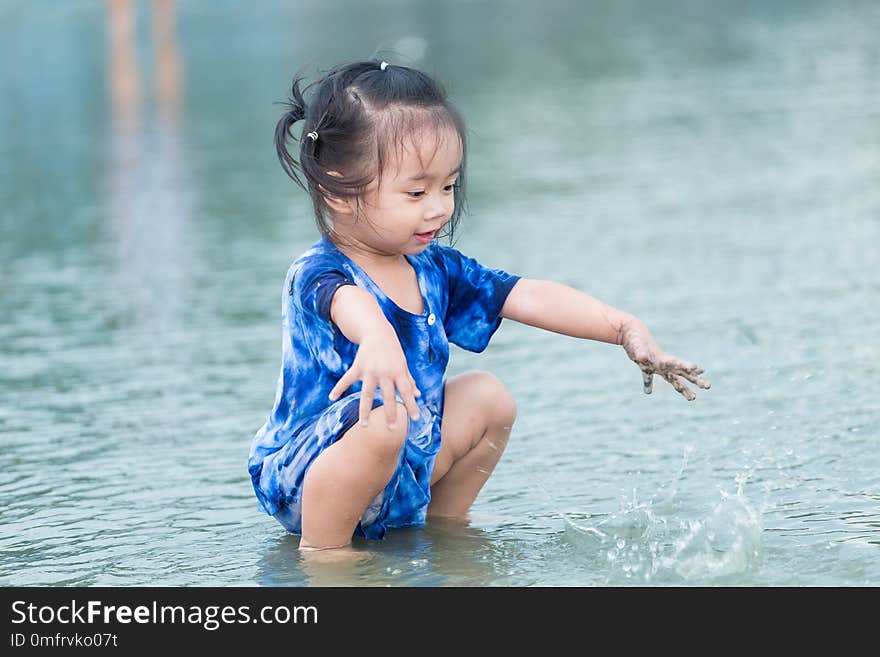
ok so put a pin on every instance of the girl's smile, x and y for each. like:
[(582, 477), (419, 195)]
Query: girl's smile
[(425, 238)]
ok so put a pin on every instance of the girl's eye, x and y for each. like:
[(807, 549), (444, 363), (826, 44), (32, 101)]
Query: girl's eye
[(416, 194), (449, 188)]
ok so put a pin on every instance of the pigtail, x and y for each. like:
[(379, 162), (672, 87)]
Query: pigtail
[(297, 109)]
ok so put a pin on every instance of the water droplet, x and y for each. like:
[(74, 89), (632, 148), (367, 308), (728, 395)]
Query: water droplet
[(620, 543)]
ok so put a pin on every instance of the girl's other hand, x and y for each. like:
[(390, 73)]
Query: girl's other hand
[(380, 362), (642, 349)]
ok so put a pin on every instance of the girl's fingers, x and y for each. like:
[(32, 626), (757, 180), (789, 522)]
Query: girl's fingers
[(368, 391), (698, 380), (689, 368), (343, 384), (672, 364), (678, 366), (689, 371), (648, 381), (389, 401), (680, 387), (407, 393)]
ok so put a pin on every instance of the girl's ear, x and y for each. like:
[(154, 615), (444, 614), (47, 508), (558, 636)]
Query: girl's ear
[(335, 203)]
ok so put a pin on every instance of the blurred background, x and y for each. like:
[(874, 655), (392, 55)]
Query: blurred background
[(711, 167)]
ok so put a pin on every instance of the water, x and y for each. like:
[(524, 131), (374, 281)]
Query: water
[(711, 167)]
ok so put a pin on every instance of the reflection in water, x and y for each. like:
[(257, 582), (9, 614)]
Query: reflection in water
[(442, 553), (149, 184)]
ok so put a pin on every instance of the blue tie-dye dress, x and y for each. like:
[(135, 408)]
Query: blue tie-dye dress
[(462, 299)]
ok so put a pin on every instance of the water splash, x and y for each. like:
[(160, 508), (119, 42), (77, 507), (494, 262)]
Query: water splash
[(667, 502), (725, 543), (649, 540)]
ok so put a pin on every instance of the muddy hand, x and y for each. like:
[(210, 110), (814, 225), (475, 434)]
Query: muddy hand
[(643, 350)]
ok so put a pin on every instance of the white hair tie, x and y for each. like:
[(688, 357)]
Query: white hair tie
[(313, 135), (383, 66)]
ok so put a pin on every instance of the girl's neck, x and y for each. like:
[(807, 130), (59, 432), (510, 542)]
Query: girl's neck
[(362, 253)]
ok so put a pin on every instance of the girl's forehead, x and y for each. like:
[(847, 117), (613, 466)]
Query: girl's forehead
[(433, 153)]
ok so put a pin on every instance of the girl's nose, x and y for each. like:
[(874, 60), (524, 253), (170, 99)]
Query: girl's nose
[(436, 210)]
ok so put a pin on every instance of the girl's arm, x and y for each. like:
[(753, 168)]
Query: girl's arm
[(556, 307), (380, 360)]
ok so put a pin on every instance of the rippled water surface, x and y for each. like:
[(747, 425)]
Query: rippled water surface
[(713, 168)]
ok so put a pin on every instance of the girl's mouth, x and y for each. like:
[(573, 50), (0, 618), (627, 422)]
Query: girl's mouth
[(425, 238)]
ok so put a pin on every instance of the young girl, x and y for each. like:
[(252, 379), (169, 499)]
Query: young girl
[(366, 433)]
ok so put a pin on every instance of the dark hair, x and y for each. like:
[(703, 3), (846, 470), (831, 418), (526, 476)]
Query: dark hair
[(359, 112)]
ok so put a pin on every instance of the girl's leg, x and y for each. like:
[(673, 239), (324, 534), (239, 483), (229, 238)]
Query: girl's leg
[(478, 414), (346, 477)]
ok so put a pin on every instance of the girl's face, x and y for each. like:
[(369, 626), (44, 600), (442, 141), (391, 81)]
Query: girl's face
[(415, 199)]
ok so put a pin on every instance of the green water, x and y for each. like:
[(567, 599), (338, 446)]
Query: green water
[(711, 167)]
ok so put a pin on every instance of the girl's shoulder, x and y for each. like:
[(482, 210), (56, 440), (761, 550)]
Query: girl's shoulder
[(450, 261), (320, 257), (444, 257), (313, 265), (457, 267)]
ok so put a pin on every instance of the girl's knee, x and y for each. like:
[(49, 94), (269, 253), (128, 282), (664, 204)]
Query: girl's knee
[(387, 442), (497, 400)]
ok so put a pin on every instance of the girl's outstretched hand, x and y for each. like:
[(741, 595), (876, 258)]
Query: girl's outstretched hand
[(380, 362), (642, 349)]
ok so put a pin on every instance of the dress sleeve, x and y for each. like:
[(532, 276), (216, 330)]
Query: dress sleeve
[(313, 289), (476, 296)]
